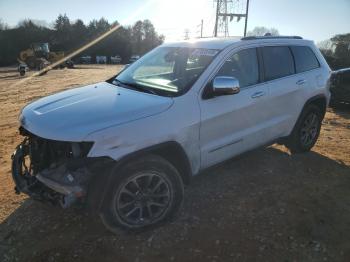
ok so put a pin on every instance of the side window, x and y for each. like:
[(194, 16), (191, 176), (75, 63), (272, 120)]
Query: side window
[(305, 58), (243, 65), (278, 62)]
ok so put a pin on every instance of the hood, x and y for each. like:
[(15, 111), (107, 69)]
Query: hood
[(72, 115)]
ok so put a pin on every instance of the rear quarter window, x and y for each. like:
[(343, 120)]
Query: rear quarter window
[(305, 58), (278, 62)]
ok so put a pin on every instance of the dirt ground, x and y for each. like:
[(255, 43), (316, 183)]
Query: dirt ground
[(266, 205)]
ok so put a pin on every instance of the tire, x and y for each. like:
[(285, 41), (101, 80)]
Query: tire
[(144, 193), (30, 61), (306, 131)]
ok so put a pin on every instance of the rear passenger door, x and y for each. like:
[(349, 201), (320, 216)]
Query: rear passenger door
[(284, 89), (307, 67), (290, 72)]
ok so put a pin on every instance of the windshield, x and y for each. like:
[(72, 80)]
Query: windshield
[(41, 47), (167, 70)]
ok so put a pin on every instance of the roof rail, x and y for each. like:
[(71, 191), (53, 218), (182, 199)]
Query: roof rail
[(270, 37)]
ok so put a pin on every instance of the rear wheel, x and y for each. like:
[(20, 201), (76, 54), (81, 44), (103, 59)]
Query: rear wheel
[(145, 192), (306, 130)]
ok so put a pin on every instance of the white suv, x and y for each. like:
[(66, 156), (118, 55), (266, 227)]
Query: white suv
[(127, 146)]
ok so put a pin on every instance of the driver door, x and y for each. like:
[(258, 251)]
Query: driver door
[(232, 124)]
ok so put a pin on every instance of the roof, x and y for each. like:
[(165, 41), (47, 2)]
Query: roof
[(210, 43), (340, 71), (222, 43)]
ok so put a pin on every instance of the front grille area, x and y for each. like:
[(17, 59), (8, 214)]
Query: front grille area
[(44, 153), (40, 168)]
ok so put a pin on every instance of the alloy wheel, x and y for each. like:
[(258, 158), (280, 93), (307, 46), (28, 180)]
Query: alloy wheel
[(143, 199), (309, 129)]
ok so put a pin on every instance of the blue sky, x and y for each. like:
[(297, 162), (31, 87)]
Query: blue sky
[(312, 19)]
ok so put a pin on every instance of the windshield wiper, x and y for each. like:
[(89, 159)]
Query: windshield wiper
[(134, 86)]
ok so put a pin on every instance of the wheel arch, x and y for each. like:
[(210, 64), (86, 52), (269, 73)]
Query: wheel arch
[(171, 151), (291, 141), (320, 101)]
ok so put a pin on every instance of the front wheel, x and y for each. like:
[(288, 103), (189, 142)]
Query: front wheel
[(306, 130), (145, 192)]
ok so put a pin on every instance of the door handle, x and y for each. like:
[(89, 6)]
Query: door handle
[(301, 82), (258, 94)]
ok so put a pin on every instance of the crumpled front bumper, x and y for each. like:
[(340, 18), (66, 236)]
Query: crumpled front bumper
[(55, 184)]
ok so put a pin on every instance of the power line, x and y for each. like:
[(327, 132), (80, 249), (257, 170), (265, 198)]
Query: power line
[(229, 9)]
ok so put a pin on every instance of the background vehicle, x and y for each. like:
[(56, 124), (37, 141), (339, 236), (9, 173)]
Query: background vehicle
[(101, 59), (22, 68), (134, 58), (340, 86), (116, 59), (182, 108), (85, 60), (39, 56)]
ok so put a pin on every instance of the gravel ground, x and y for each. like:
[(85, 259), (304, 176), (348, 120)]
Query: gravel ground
[(265, 205)]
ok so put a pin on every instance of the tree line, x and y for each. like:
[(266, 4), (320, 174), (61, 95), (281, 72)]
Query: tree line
[(67, 35), (337, 51)]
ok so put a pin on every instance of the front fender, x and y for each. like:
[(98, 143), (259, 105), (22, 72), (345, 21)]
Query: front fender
[(179, 124)]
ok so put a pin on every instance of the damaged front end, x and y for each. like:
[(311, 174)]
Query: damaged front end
[(54, 171)]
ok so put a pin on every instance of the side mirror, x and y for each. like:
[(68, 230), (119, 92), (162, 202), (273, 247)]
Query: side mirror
[(225, 85)]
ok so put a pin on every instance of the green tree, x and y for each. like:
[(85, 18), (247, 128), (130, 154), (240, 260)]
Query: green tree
[(68, 36), (341, 45), (14, 40), (79, 34), (63, 33), (144, 37), (3, 26), (337, 51), (136, 37), (262, 30)]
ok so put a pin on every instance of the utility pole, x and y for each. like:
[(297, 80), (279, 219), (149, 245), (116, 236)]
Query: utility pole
[(229, 9), (246, 19), (187, 34), (202, 28), (217, 18)]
